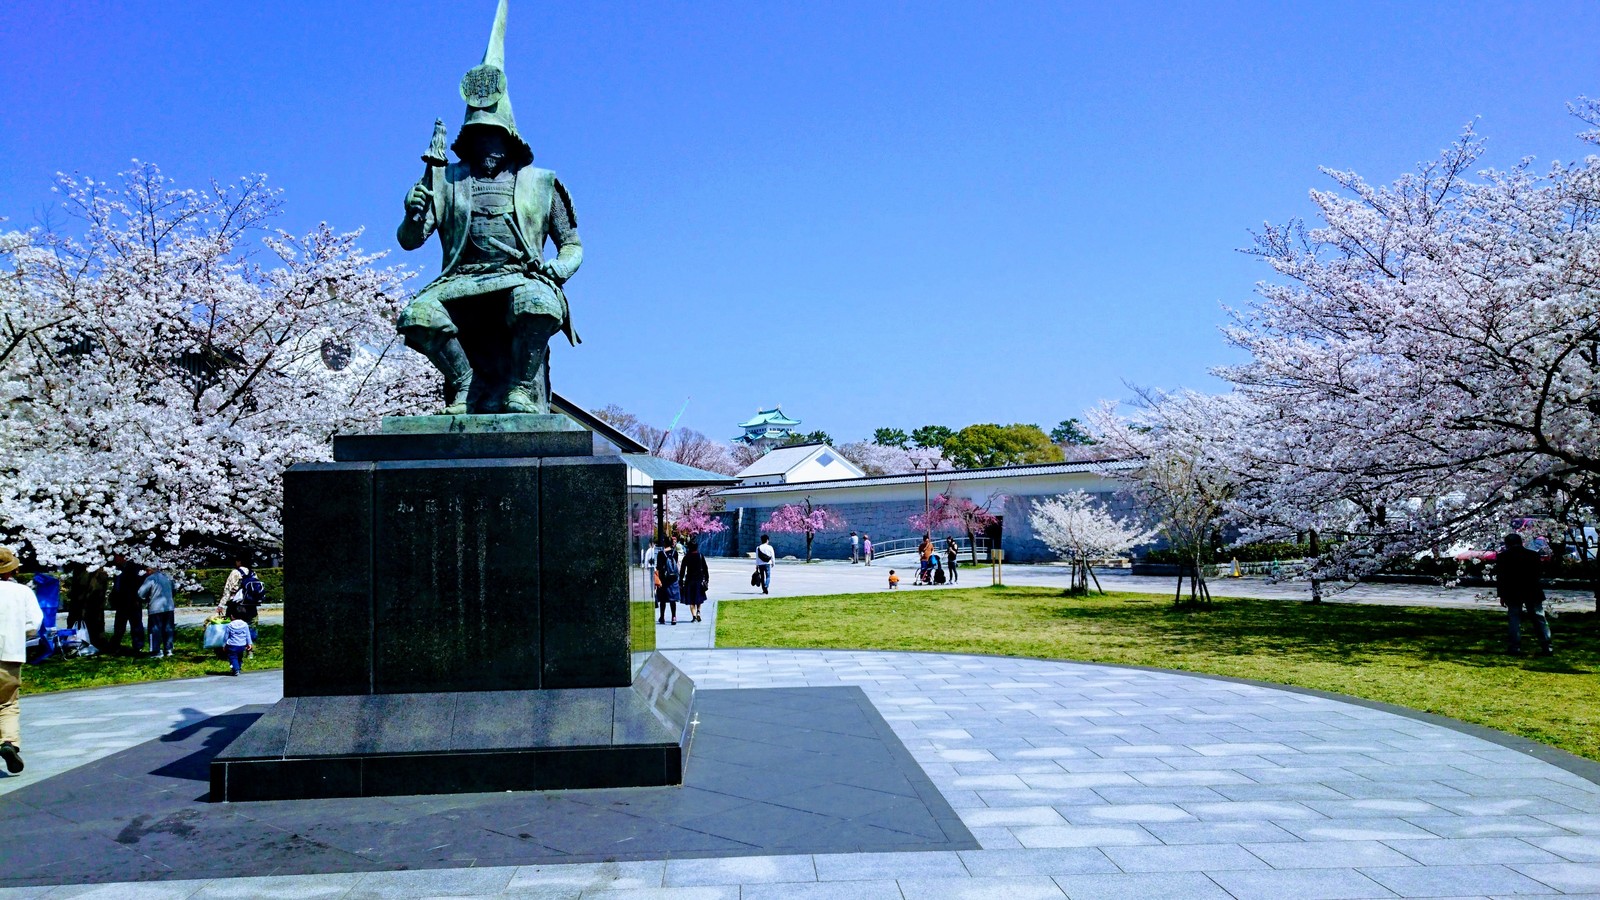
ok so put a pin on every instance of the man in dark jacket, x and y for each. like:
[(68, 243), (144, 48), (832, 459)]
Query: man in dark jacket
[(1517, 574), (126, 603)]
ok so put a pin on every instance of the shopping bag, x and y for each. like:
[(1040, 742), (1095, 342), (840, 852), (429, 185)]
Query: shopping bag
[(216, 635), (755, 577)]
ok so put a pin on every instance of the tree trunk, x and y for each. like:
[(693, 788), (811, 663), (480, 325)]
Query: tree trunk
[(809, 536), (1316, 584)]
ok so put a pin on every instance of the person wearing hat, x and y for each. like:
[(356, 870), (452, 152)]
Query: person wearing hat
[(494, 212), (19, 616)]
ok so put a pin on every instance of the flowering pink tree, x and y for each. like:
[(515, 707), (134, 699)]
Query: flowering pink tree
[(959, 514), (697, 520), (807, 520)]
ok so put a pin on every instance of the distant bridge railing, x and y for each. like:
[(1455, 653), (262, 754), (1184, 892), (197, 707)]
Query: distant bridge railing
[(908, 547)]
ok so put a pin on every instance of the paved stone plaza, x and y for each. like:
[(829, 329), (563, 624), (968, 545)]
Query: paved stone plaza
[(1076, 780)]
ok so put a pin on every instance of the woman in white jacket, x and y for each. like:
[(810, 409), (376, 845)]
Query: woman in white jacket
[(19, 615)]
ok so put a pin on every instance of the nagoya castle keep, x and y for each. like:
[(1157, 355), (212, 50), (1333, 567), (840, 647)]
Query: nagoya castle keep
[(768, 429)]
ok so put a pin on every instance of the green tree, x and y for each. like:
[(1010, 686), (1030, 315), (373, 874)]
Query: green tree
[(890, 437), (987, 445), (815, 437), (1072, 432), (931, 437)]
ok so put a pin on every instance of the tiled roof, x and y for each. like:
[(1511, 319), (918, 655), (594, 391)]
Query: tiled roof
[(1061, 468)]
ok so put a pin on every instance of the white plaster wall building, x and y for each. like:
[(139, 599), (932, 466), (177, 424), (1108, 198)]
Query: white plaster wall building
[(800, 463), (881, 506)]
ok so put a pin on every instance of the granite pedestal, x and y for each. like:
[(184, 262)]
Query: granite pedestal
[(457, 618)]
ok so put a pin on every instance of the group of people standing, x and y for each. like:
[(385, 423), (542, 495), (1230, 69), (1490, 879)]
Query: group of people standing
[(860, 549), (679, 575), (929, 570)]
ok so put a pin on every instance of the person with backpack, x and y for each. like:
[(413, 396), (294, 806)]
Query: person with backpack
[(765, 557), (951, 554), (666, 577), (252, 594)]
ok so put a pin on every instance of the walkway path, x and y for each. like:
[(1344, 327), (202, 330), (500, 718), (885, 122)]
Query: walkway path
[(731, 578), (1078, 780)]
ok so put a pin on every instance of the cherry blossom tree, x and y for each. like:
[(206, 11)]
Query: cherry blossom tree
[(163, 363), (697, 520), (803, 519), (1184, 446), (1078, 529), (1426, 365), (885, 459), (959, 514)]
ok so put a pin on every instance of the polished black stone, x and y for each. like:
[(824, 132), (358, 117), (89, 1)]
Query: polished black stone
[(583, 524), (461, 742), (327, 571), (139, 814), (456, 582), (516, 444)]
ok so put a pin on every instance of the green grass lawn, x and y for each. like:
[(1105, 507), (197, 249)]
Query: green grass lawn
[(1445, 661), (188, 661)]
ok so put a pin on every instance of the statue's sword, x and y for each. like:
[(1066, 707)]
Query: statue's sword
[(433, 158)]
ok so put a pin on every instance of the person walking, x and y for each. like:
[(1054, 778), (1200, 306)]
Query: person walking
[(19, 615), (156, 592), (126, 604), (951, 554), (696, 579), (866, 550), (86, 601), (855, 548), (1517, 582), (666, 577), (765, 556), (239, 642)]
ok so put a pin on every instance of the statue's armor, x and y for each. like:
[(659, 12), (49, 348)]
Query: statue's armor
[(491, 234)]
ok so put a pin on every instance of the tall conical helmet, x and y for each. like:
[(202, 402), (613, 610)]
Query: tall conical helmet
[(484, 89)]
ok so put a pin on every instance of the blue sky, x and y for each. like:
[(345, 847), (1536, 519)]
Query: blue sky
[(874, 213)]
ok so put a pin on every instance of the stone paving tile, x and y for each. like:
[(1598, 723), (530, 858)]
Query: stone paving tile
[(739, 870), (282, 887), (870, 866), (1454, 881), (1569, 878), (1374, 829), (1062, 861), (1286, 791), (1582, 823), (1371, 808), (703, 892), (144, 890), (1174, 794), (1583, 848), (1265, 810), (1124, 812), (1040, 887), (1188, 885), (996, 838), (432, 883), (1473, 851), (1218, 832), (1052, 836), (1501, 806), (591, 876), (1014, 815), (1486, 826), (833, 890), (1186, 858), (1299, 884), (1329, 855)]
